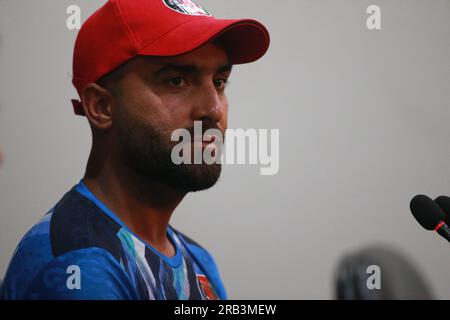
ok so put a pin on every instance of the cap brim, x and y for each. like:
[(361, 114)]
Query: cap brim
[(245, 40)]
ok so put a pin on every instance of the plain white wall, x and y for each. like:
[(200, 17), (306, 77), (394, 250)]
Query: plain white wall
[(364, 126)]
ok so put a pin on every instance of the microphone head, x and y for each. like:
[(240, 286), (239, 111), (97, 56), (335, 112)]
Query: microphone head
[(426, 212), (444, 203)]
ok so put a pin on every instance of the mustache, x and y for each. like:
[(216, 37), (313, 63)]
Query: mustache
[(205, 127)]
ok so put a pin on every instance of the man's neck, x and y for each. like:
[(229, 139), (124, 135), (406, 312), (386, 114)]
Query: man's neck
[(145, 207)]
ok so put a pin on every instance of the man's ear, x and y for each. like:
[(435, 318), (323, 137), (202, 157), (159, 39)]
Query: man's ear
[(97, 105)]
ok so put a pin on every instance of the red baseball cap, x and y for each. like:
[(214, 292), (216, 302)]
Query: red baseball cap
[(123, 29)]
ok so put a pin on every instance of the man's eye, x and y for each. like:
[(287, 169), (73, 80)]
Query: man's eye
[(177, 82), (220, 83)]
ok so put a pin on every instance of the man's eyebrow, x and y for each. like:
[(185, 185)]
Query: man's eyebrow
[(225, 68), (182, 68), (190, 68)]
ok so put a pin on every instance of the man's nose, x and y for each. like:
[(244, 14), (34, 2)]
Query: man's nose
[(208, 104)]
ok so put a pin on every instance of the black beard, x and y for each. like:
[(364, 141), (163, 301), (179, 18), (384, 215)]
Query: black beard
[(147, 151)]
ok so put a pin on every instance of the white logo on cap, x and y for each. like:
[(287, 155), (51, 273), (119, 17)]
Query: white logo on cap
[(186, 7)]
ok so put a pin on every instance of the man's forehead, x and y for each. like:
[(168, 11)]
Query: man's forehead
[(210, 57)]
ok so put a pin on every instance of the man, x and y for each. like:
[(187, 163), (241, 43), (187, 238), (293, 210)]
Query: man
[(143, 69)]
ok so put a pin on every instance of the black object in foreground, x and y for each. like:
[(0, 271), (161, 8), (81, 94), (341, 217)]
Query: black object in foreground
[(429, 215), (444, 203)]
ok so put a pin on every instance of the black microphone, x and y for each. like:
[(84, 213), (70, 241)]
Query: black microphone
[(429, 215), (444, 203)]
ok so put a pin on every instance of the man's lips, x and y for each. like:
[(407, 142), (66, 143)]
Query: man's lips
[(205, 140), (207, 143)]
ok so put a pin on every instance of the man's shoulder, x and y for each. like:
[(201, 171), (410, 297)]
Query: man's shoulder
[(74, 223), (72, 232), (31, 254)]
